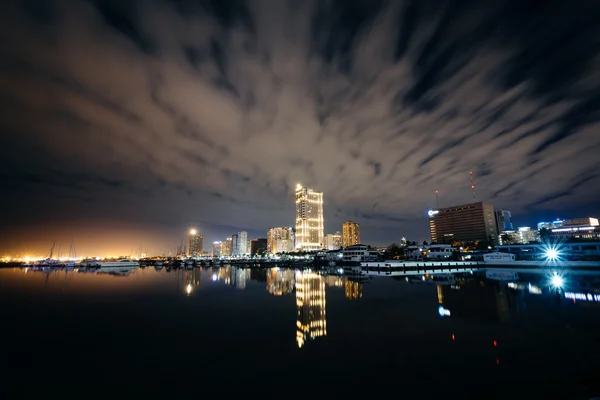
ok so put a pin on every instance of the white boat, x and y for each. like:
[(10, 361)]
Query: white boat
[(123, 262), (498, 256)]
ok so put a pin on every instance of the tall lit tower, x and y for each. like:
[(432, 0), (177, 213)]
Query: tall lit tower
[(350, 233), (309, 219), (195, 242)]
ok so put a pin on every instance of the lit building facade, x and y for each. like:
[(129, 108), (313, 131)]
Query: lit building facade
[(226, 247), (234, 245), (216, 249), (242, 243), (350, 233), (311, 320), (333, 241), (551, 225), (309, 219), (279, 240), (195, 243), (526, 235), (464, 223)]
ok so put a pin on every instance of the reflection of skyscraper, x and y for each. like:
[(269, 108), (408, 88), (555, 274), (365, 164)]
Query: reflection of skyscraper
[(241, 277), (310, 304), (353, 290), (309, 219), (280, 281), (489, 301)]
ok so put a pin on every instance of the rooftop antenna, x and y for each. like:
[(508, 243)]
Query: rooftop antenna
[(437, 199), (472, 184)]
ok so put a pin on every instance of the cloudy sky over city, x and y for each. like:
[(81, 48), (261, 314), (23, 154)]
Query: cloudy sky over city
[(126, 122)]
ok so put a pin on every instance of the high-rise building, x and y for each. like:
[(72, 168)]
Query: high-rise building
[(333, 241), (257, 246), (242, 243), (309, 219), (464, 223), (503, 221), (226, 247), (195, 242), (216, 249), (310, 306), (526, 235), (279, 240), (234, 244), (350, 233)]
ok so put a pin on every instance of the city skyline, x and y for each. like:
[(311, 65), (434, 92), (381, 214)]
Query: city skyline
[(124, 124)]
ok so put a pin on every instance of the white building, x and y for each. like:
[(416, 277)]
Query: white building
[(333, 241), (526, 235), (279, 240), (242, 243), (309, 219)]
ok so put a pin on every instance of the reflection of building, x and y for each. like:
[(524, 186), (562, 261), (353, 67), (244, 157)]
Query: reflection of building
[(350, 233), (333, 241), (309, 219), (257, 246), (195, 242), (310, 305), (465, 223), (279, 240), (334, 281), (353, 290), (192, 280), (238, 277), (280, 281), (489, 300)]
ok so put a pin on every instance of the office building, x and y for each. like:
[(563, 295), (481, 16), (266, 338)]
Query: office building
[(279, 240), (333, 241), (350, 233), (577, 228), (465, 223), (242, 243), (503, 221), (310, 306), (226, 247), (558, 223), (309, 219), (195, 242), (526, 235), (258, 246), (216, 249)]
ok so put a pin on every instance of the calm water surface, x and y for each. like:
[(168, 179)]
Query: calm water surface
[(208, 332)]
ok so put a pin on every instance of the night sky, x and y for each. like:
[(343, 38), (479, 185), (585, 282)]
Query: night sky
[(123, 123)]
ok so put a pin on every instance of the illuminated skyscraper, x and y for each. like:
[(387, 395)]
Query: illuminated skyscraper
[(226, 247), (242, 243), (279, 240), (350, 233), (309, 219), (195, 242), (310, 305), (333, 241)]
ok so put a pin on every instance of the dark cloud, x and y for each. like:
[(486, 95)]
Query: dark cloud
[(164, 114)]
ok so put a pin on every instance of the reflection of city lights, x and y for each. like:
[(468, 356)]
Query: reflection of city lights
[(443, 312), (214, 277), (188, 289), (557, 280)]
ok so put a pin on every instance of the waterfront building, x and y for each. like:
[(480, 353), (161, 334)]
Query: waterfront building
[(577, 228), (258, 245), (503, 221), (333, 241), (350, 233), (525, 234), (227, 247), (311, 321), (279, 240), (550, 225), (216, 249), (309, 219), (195, 243), (464, 223), (242, 243), (509, 237)]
